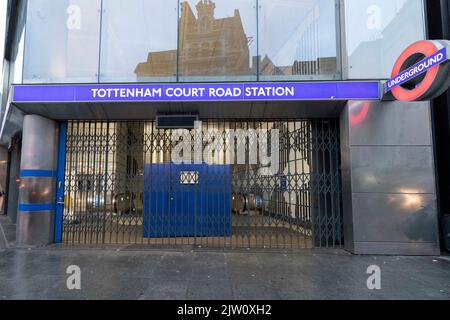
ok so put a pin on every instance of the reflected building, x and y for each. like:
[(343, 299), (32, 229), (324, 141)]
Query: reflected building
[(320, 66), (207, 46), (215, 47)]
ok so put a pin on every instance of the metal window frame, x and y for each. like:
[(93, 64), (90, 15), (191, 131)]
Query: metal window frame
[(339, 43)]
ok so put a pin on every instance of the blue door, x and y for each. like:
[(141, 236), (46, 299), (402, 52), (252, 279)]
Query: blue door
[(187, 201)]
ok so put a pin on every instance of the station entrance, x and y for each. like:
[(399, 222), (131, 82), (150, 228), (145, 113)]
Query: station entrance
[(133, 183)]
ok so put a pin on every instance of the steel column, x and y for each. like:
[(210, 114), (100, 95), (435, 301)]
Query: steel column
[(36, 218)]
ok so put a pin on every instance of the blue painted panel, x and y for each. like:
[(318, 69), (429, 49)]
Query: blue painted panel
[(173, 209), (60, 182)]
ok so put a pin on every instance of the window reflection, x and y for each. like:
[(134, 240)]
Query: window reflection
[(134, 31), (62, 41), (377, 32), (297, 39), (184, 40), (216, 41)]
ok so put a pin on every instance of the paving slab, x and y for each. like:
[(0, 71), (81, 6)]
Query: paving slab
[(205, 275)]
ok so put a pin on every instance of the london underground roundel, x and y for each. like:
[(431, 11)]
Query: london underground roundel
[(422, 72)]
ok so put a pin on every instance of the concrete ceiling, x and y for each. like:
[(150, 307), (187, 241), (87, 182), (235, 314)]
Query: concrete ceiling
[(207, 110)]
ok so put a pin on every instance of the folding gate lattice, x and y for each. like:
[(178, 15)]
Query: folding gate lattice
[(123, 187)]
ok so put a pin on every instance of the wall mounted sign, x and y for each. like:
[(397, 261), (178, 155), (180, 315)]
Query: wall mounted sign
[(339, 90), (422, 72)]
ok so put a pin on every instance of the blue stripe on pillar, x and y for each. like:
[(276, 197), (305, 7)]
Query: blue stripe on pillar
[(37, 174), (36, 207)]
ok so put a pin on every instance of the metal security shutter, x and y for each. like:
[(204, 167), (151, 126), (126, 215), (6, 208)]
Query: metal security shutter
[(121, 186)]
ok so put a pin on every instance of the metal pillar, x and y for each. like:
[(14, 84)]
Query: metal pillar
[(36, 219)]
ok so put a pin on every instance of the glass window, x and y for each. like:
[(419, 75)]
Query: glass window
[(217, 40), (377, 32), (62, 41), (16, 54), (297, 40), (139, 41), (18, 62)]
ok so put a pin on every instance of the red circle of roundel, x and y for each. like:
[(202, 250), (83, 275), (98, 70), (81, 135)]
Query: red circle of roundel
[(426, 48), (359, 116)]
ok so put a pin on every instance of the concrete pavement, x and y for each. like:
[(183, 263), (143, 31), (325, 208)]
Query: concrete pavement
[(112, 274)]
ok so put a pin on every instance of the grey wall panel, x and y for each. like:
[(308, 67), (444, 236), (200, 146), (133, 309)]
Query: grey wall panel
[(395, 217), (12, 125), (389, 192), (346, 181), (393, 169), (390, 123), (393, 248)]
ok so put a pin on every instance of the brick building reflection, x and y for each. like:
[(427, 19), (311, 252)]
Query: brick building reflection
[(220, 47)]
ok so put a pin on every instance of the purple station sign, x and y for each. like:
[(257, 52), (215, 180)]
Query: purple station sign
[(339, 90)]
